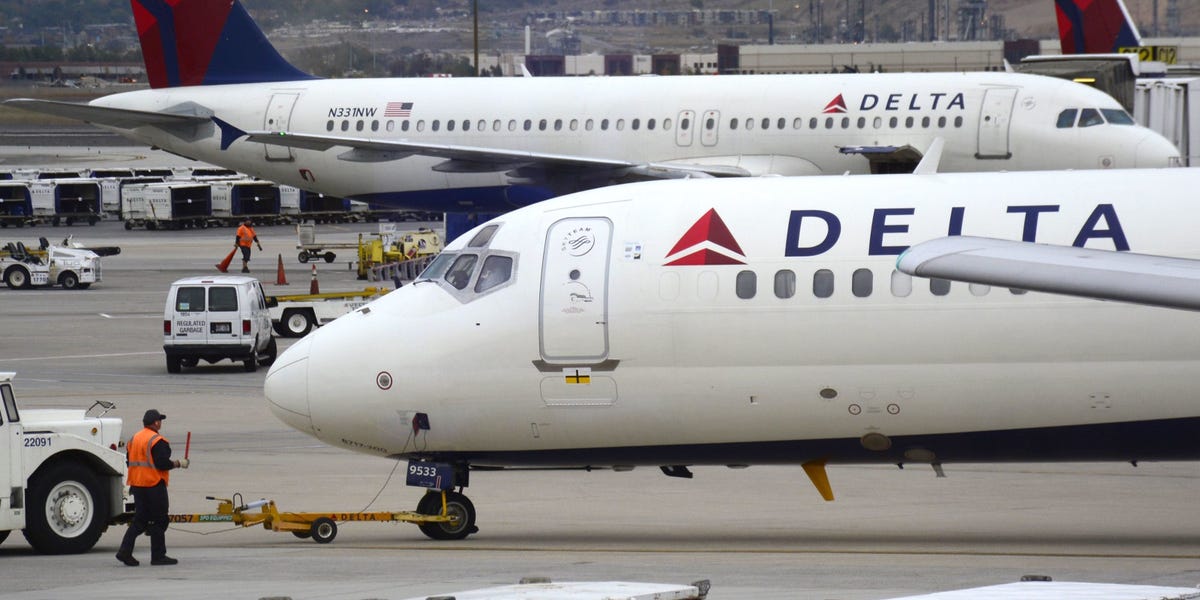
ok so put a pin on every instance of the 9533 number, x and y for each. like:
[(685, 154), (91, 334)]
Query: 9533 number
[(430, 475)]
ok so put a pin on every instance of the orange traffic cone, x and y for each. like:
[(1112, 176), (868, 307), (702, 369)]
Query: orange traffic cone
[(224, 265), (314, 288), (280, 278)]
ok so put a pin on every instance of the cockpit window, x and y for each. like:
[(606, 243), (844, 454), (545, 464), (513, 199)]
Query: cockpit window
[(496, 270), (437, 268), (484, 236), (1089, 117), (1117, 116), (1066, 118), (459, 274)]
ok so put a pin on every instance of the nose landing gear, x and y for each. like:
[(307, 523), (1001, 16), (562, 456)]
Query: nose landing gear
[(451, 504)]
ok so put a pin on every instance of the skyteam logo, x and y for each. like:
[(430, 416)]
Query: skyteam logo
[(835, 106), (707, 242)]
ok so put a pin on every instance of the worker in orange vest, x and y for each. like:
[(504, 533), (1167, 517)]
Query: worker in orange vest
[(150, 463), (245, 237)]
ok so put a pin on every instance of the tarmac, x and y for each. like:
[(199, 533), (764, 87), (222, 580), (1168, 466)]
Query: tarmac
[(761, 532)]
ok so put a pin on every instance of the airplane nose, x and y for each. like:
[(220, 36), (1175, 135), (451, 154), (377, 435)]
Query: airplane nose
[(1156, 151), (286, 387)]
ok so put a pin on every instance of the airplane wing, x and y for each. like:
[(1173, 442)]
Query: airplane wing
[(1063, 590), (1101, 274), (113, 117), (474, 159)]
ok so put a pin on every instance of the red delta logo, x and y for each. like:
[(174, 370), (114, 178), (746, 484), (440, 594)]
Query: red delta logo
[(707, 242), (837, 105)]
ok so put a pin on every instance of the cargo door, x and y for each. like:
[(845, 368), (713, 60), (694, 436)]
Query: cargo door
[(277, 120), (685, 130), (994, 119), (189, 320), (224, 318), (574, 298)]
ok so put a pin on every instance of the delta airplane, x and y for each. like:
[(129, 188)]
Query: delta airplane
[(761, 321), (222, 94)]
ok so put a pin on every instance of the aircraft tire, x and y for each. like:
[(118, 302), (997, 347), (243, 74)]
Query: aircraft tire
[(456, 504)]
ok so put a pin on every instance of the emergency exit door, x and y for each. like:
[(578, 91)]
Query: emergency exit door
[(277, 120), (574, 299), (995, 116)]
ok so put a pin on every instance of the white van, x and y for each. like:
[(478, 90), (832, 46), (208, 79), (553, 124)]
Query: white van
[(213, 318)]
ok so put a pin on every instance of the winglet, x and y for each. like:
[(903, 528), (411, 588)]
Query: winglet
[(933, 157), (816, 472), (229, 133)]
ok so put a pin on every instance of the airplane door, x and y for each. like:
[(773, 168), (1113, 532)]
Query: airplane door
[(686, 131), (574, 302), (711, 124), (994, 119), (277, 119)]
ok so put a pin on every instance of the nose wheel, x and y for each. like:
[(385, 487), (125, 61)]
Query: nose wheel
[(457, 507)]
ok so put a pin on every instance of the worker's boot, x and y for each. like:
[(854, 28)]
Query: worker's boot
[(245, 267)]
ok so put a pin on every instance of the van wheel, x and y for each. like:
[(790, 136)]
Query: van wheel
[(128, 225), (302, 257), (173, 364), (17, 278), (251, 362), (67, 510), (69, 281), (272, 352), (329, 257)]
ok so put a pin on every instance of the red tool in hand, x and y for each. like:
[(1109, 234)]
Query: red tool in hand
[(187, 446)]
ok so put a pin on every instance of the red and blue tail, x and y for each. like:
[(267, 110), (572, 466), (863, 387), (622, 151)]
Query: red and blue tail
[(1095, 26), (206, 42)]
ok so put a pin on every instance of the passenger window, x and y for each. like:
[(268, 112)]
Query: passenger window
[(749, 124), (222, 298), (893, 122), (733, 124), (495, 125), (1090, 117), (574, 124), (941, 122), (666, 124), (901, 284), (958, 121), (391, 126), (620, 124), (512, 124), (908, 123), (861, 283), (781, 123), (482, 125), (1116, 116), (10, 404), (484, 236), (421, 125), (812, 123), (459, 274), (374, 125), (496, 270), (329, 126), (449, 125), (603, 124), (823, 283), (189, 299), (785, 284), (797, 123), (528, 124), (635, 124), (345, 125), (435, 125), (404, 126), (939, 287), (747, 284), (587, 125), (862, 122), (878, 122), (542, 125), (358, 126), (925, 122), (845, 122), (828, 122), (766, 123)]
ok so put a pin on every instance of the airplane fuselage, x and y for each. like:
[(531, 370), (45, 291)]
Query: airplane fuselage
[(780, 124), (762, 321)]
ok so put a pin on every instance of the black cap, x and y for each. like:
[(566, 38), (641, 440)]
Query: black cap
[(151, 416)]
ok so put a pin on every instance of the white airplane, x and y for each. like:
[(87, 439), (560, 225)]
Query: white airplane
[(223, 95), (761, 321)]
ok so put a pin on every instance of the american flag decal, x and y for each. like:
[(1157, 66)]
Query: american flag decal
[(398, 109)]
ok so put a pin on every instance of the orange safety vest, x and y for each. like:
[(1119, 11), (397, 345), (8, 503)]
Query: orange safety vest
[(141, 462), (245, 236)]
